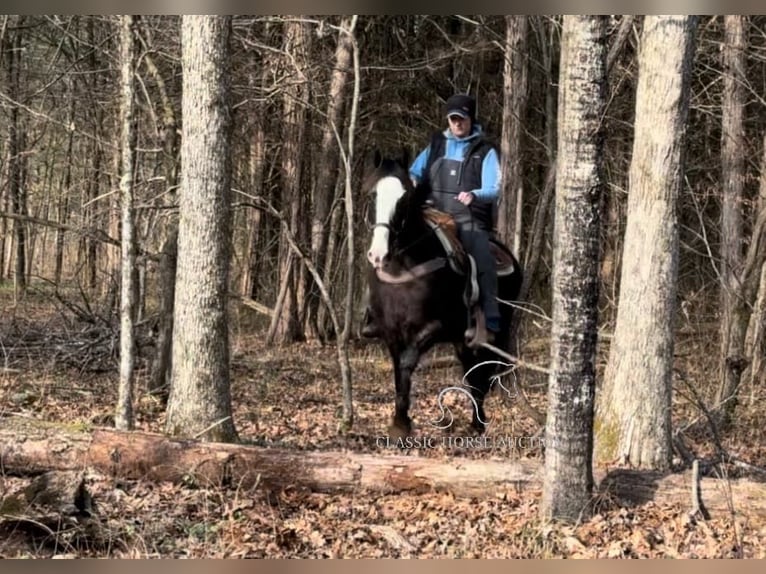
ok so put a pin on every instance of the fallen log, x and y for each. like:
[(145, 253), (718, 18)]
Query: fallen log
[(30, 446)]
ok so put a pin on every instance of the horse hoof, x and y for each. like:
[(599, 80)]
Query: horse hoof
[(398, 429)]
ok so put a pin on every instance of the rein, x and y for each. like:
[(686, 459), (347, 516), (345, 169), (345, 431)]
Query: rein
[(416, 272), (420, 270)]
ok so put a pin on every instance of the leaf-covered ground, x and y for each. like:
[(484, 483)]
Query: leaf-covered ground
[(64, 370)]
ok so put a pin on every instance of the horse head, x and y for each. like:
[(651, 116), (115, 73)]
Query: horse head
[(388, 183)]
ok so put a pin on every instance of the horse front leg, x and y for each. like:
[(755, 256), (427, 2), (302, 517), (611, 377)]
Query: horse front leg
[(405, 362)]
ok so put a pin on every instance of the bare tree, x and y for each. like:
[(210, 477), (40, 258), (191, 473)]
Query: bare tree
[(12, 51), (514, 108), (734, 312), (568, 478), (159, 380), (286, 325), (123, 419), (200, 396), (323, 189), (633, 411)]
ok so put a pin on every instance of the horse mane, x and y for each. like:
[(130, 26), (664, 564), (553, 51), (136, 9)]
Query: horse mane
[(409, 207)]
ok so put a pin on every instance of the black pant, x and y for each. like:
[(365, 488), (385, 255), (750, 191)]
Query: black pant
[(476, 242)]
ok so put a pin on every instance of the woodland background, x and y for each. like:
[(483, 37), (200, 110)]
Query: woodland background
[(298, 93)]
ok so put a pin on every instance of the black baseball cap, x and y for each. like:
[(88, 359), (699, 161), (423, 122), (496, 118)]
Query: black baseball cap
[(461, 105)]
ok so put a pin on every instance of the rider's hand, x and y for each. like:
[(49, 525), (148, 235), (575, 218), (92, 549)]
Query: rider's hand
[(465, 197)]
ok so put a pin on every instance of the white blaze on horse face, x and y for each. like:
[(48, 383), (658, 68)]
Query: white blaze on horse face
[(387, 193)]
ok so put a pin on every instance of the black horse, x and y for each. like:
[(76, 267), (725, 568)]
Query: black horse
[(417, 298)]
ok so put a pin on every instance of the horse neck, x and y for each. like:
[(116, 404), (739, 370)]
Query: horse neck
[(415, 240)]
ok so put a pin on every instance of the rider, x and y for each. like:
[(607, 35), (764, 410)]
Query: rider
[(463, 170)]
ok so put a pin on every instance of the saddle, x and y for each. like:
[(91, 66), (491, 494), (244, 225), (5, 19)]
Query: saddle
[(445, 228)]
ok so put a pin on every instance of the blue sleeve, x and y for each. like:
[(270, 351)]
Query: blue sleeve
[(419, 165), (490, 178)]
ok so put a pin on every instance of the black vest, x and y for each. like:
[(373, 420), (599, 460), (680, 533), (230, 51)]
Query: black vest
[(448, 177)]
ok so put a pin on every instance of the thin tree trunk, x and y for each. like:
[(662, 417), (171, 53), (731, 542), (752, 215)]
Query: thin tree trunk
[(123, 419), (514, 109), (533, 253), (253, 256), (162, 366), (568, 478), (13, 53), (755, 340), (345, 366), (160, 377), (733, 305), (286, 325), (323, 190), (623, 33), (94, 180), (633, 410), (63, 207)]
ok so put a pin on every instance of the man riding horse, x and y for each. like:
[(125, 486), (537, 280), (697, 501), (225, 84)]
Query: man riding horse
[(463, 171)]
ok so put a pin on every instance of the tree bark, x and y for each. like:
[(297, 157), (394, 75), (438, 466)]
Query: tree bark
[(200, 395), (124, 412), (29, 446), (568, 479), (13, 55), (734, 312), (633, 411), (63, 202), (323, 190), (159, 380), (286, 326), (514, 108)]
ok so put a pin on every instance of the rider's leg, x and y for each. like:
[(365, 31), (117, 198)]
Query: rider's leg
[(476, 242)]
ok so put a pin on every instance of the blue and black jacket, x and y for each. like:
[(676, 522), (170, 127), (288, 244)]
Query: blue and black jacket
[(452, 165)]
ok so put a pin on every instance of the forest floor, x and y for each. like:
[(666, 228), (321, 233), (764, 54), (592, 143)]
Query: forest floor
[(54, 367)]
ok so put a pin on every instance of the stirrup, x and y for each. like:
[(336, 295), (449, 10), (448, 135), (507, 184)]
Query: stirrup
[(478, 335)]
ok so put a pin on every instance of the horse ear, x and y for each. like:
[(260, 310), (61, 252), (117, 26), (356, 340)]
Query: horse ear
[(377, 159)]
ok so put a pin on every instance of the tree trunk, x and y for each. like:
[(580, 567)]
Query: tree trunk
[(327, 166), (568, 478), (514, 109), (13, 55), (63, 202), (162, 366), (734, 312), (159, 380), (124, 412), (254, 218), (93, 186), (29, 446), (286, 325), (200, 395), (633, 411), (347, 417), (534, 252)]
